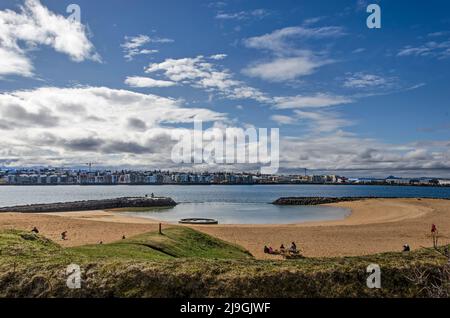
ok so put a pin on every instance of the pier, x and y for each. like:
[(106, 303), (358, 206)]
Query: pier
[(117, 203)]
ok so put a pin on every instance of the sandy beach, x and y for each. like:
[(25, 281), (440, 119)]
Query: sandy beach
[(374, 225), (87, 227)]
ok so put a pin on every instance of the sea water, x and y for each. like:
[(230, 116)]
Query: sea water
[(229, 204)]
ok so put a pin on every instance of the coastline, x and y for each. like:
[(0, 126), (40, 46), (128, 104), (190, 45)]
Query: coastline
[(228, 184), (373, 226)]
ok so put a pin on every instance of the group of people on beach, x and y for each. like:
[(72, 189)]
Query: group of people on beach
[(282, 251), (293, 250), (63, 234), (434, 236)]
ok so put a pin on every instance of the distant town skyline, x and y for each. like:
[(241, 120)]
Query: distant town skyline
[(62, 176), (113, 88), (89, 169)]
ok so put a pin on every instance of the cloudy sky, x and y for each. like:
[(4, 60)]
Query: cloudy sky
[(115, 87)]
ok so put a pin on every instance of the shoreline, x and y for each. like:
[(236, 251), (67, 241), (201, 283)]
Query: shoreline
[(373, 226), (229, 184)]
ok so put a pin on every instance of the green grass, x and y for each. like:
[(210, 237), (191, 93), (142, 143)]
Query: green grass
[(25, 247), (186, 263), (176, 242)]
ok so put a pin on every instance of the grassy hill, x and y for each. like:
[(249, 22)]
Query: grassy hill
[(186, 263), (176, 242)]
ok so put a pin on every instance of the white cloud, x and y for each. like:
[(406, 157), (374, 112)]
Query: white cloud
[(285, 68), (310, 101), (347, 154), (439, 50), (359, 50), (283, 119), (363, 80), (133, 45), (243, 15), (198, 72), (107, 103), (326, 146), (14, 63), (290, 62), (120, 128), (317, 122), (321, 121), (138, 81), (312, 21), (117, 127), (135, 42), (35, 25), (218, 57), (217, 4), (279, 41)]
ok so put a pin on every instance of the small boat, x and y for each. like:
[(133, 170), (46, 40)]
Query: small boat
[(200, 221)]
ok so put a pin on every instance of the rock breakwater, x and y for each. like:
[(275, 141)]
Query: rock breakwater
[(125, 202)]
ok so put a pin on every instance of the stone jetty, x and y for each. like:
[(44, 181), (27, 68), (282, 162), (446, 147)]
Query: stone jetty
[(315, 200), (125, 202)]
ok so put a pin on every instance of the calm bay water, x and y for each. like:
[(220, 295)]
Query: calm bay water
[(246, 204), (245, 213)]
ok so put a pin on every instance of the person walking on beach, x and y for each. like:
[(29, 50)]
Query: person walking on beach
[(64, 235), (434, 235)]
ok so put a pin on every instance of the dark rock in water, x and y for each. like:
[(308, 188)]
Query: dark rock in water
[(315, 200), (125, 202), (325, 200)]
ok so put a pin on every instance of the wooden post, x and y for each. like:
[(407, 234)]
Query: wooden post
[(160, 230)]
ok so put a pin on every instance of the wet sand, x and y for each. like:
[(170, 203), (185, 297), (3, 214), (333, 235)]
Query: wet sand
[(374, 226)]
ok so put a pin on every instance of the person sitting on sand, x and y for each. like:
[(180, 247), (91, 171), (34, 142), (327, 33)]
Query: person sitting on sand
[(35, 230), (123, 237), (447, 253), (282, 249), (293, 248), (270, 250), (266, 249), (64, 235), (406, 248)]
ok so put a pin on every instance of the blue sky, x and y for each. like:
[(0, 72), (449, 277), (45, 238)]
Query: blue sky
[(373, 101)]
